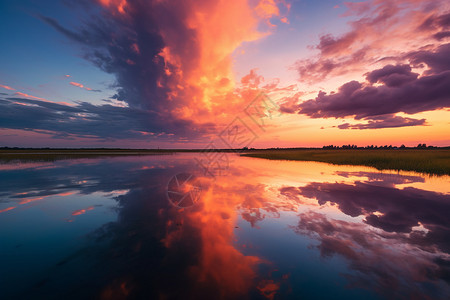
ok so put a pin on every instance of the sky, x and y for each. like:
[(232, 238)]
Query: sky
[(224, 74)]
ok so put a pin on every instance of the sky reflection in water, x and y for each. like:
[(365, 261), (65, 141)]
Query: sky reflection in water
[(104, 228)]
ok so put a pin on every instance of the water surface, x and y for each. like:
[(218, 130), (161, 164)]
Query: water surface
[(107, 228)]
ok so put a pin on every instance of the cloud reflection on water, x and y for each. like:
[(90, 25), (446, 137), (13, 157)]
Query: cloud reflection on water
[(394, 236)]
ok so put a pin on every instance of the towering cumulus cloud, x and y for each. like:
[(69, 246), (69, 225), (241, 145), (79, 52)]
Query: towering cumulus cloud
[(173, 58)]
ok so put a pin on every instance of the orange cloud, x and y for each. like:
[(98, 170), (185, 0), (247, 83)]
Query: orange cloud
[(220, 263), (118, 5), (28, 200), (268, 288), (7, 209), (284, 20), (30, 96), (198, 81), (76, 84), (82, 211), (40, 99), (7, 87), (81, 86), (135, 48)]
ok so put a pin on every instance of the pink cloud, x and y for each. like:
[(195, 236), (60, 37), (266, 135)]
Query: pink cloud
[(30, 96), (32, 199), (7, 87), (40, 99), (284, 20), (252, 80), (7, 209), (82, 211), (76, 84), (82, 86), (135, 48), (382, 30), (28, 200)]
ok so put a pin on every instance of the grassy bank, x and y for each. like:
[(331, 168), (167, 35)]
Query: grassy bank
[(430, 161), (29, 155)]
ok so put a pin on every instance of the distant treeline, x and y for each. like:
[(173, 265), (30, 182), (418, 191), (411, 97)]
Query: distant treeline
[(419, 146)]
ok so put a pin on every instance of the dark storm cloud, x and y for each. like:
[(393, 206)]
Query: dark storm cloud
[(85, 120), (129, 46)]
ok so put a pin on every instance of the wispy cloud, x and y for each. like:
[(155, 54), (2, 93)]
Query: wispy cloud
[(83, 87), (383, 31), (7, 87), (20, 94)]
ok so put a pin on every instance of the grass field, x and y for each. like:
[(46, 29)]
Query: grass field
[(430, 161)]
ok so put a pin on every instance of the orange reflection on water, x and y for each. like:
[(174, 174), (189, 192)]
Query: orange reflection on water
[(32, 199), (82, 211), (220, 262), (7, 209), (334, 206)]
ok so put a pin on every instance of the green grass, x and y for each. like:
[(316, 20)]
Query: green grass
[(430, 161)]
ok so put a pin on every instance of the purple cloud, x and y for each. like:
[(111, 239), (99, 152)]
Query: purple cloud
[(401, 91), (392, 76), (385, 121)]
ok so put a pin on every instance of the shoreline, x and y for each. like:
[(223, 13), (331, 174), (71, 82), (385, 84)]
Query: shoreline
[(428, 161)]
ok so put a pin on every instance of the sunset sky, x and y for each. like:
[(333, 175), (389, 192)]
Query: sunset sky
[(183, 74)]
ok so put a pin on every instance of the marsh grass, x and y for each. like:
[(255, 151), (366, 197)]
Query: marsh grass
[(430, 161)]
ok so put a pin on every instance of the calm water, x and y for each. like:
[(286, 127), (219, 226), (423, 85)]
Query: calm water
[(108, 229)]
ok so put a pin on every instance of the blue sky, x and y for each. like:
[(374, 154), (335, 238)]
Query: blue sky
[(35, 57)]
